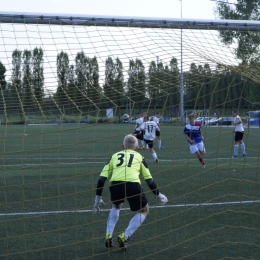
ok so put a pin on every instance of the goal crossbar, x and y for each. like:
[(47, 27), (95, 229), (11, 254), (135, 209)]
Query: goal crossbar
[(92, 20)]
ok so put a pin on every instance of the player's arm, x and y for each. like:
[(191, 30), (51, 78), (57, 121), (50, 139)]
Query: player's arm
[(151, 184), (100, 185), (201, 134), (238, 122), (188, 138), (136, 125), (107, 170)]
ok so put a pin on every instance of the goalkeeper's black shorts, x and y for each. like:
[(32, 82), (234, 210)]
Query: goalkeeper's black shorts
[(132, 191)]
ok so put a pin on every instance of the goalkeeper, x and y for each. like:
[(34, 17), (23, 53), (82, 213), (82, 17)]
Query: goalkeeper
[(124, 169)]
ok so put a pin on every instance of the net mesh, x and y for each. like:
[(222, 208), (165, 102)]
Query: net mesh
[(65, 90)]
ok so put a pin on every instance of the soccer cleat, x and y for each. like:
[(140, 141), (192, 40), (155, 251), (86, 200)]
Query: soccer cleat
[(109, 241), (203, 166), (234, 156), (156, 160), (243, 155), (122, 241), (160, 148)]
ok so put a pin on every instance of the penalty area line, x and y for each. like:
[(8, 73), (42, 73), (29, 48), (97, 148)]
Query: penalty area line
[(227, 203)]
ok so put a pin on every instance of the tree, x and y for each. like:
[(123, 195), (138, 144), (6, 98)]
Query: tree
[(27, 97), (136, 87), (247, 48), (63, 75), (2, 76), (153, 89), (81, 71), (16, 78), (38, 76), (95, 87), (110, 90), (173, 84)]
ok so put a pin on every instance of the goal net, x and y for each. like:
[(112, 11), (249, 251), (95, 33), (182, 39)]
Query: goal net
[(66, 82)]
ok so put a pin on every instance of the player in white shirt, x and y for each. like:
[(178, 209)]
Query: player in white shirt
[(158, 133), (149, 128), (137, 131), (239, 133)]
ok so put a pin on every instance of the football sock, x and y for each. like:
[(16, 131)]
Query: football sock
[(202, 161), (112, 220), (235, 148), (159, 143), (134, 224), (243, 147), (154, 155)]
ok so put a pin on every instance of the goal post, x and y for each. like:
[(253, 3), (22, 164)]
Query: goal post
[(65, 83)]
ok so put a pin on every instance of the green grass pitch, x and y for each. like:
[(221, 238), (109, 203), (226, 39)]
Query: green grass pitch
[(48, 176)]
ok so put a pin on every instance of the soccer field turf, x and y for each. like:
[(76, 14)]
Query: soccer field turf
[(47, 187)]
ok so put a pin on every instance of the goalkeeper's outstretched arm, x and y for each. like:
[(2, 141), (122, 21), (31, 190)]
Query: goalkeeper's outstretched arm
[(153, 187), (100, 185), (98, 198)]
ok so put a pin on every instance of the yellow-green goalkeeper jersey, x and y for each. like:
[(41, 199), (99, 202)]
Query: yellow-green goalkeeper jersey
[(126, 165)]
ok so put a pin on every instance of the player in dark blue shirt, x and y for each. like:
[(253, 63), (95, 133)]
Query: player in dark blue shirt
[(192, 133)]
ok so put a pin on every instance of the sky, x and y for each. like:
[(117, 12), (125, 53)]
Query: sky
[(28, 36), (197, 9)]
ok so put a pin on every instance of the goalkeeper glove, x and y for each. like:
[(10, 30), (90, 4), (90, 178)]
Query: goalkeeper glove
[(163, 199), (98, 202)]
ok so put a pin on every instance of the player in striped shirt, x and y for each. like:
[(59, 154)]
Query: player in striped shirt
[(192, 133)]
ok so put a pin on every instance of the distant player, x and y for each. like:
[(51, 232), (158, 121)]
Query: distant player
[(137, 131), (124, 169), (239, 133), (149, 128), (158, 133), (192, 133)]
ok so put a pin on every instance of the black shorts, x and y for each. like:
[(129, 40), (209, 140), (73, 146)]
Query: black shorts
[(158, 133), (149, 142), (132, 191), (239, 136), (140, 135), (136, 132)]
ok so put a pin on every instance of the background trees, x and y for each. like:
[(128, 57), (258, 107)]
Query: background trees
[(139, 88)]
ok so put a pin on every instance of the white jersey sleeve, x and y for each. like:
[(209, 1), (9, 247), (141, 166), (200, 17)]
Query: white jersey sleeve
[(139, 122), (156, 120)]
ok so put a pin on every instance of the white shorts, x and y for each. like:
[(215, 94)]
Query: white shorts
[(198, 147)]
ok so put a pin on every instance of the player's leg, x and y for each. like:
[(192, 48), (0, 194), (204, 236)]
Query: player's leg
[(242, 145), (117, 194), (150, 145), (236, 145), (202, 152), (158, 135), (138, 202), (200, 158), (194, 149)]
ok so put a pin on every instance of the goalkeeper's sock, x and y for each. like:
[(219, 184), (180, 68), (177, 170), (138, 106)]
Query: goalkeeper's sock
[(112, 220), (235, 149), (134, 224), (243, 147)]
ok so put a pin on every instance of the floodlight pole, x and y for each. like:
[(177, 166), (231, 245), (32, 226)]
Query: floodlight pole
[(181, 83)]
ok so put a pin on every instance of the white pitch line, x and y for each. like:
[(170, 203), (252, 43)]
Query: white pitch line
[(105, 161), (151, 207)]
